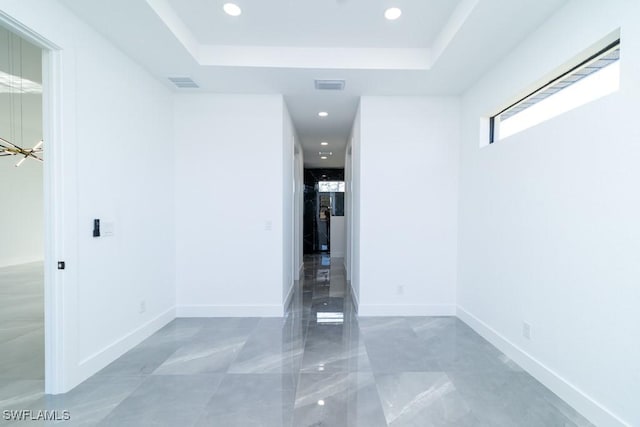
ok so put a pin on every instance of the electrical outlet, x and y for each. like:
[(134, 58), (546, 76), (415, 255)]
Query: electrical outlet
[(400, 290), (143, 307), (526, 330)]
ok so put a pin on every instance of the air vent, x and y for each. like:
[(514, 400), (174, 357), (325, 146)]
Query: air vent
[(184, 82), (330, 84)]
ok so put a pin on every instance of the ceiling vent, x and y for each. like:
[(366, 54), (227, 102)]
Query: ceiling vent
[(184, 82), (329, 84)]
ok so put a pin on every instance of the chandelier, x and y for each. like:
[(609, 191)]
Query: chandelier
[(10, 149), (14, 86)]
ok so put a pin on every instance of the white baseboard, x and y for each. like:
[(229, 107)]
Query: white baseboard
[(287, 300), (337, 254), (356, 301), (580, 401), (94, 363), (20, 261), (406, 310), (229, 311)]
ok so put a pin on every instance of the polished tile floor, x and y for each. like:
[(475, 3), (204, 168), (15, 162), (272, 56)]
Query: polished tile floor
[(297, 372), (21, 336)]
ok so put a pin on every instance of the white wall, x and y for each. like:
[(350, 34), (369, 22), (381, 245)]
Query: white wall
[(299, 211), (21, 212), (549, 229), (229, 205), (292, 203), (337, 237), (408, 205), (352, 208), (116, 164), (21, 204)]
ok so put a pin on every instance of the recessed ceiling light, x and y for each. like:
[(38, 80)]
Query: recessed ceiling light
[(321, 402), (324, 143), (232, 9), (323, 157), (323, 114), (392, 13)]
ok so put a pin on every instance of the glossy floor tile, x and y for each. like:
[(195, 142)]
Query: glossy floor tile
[(21, 337), (320, 365), (338, 399), (251, 400), (423, 398)]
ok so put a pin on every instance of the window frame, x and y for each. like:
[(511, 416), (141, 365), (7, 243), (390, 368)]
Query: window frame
[(601, 52)]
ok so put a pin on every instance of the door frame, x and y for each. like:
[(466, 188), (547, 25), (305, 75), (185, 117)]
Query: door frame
[(53, 179)]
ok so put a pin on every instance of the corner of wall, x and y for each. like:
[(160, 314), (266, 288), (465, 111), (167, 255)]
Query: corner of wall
[(576, 398), (99, 360)]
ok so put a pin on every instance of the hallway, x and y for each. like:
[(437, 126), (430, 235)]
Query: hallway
[(296, 371)]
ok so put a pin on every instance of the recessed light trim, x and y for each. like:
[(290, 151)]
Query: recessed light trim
[(324, 143), (232, 9), (323, 114), (392, 13), (323, 157)]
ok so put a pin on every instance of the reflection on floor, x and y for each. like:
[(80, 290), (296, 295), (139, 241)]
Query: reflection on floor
[(21, 335), (296, 372)]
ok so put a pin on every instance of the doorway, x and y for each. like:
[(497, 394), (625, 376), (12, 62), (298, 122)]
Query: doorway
[(45, 62), (324, 212), (22, 232)]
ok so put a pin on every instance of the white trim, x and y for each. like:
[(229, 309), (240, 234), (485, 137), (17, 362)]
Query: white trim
[(54, 210), (289, 297), (21, 261), (104, 357), (354, 297), (337, 255), (229, 311), (25, 32), (53, 203), (406, 310), (580, 401)]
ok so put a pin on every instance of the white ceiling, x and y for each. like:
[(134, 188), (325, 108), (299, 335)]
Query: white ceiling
[(304, 23), (437, 47)]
